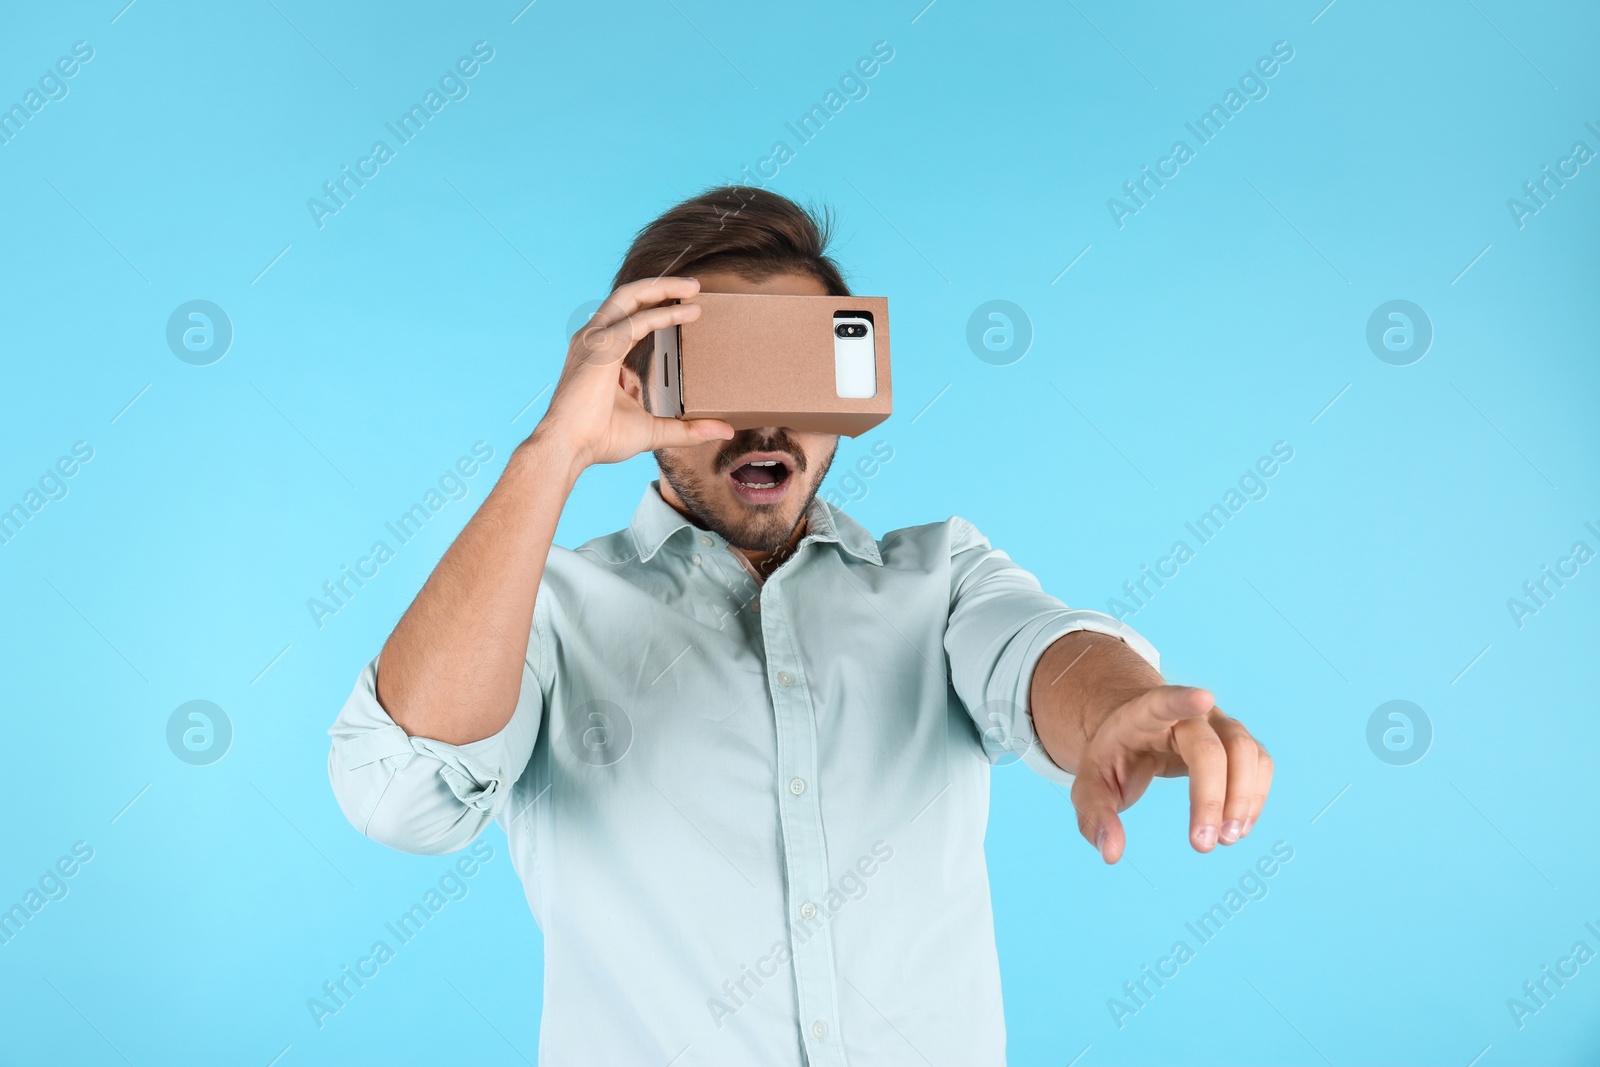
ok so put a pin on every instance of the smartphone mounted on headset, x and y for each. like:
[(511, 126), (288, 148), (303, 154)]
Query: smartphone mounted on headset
[(815, 364)]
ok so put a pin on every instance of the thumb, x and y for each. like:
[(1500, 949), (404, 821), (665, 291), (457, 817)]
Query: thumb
[(1157, 709), (1095, 801), (679, 433)]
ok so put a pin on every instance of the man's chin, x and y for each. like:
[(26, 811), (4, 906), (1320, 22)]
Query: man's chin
[(754, 527), (751, 525)]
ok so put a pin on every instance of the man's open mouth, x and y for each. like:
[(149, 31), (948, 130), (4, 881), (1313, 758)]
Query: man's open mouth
[(761, 478)]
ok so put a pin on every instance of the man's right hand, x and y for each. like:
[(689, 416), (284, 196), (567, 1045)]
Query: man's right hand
[(592, 412), (453, 668)]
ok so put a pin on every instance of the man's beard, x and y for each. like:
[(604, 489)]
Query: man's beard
[(754, 527)]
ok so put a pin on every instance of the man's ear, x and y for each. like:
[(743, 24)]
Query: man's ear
[(631, 384)]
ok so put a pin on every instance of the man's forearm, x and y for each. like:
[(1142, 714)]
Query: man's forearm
[(452, 668), (1081, 679)]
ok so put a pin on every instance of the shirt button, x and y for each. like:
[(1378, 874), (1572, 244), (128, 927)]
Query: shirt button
[(704, 540), (808, 910), (785, 679), (797, 786), (755, 605), (819, 1029), (697, 559)]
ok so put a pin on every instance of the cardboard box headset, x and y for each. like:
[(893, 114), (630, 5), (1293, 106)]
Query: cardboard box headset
[(809, 363)]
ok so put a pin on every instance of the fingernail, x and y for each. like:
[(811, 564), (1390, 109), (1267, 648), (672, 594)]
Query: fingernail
[(1100, 841), (1247, 824), (1232, 830), (1206, 835)]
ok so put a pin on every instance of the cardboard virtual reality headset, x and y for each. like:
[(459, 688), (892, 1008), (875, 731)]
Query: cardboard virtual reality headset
[(816, 364)]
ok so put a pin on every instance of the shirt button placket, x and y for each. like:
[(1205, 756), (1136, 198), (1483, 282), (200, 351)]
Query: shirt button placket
[(806, 862)]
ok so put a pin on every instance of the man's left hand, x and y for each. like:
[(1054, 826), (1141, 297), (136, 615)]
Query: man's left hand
[(1171, 731)]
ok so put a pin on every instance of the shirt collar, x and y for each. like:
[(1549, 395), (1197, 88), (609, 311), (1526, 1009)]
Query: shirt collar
[(655, 520)]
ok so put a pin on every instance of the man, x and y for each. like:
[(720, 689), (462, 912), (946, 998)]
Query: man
[(741, 749)]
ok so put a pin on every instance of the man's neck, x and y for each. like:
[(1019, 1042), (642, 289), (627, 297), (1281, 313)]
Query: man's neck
[(763, 564)]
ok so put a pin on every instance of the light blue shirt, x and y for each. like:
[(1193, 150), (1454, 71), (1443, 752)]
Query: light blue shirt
[(749, 819)]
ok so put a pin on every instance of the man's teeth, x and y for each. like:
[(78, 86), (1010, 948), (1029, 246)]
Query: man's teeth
[(762, 463)]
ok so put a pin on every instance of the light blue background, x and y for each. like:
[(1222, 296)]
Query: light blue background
[(1223, 317)]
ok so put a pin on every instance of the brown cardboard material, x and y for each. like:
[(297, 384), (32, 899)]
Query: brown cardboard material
[(754, 359)]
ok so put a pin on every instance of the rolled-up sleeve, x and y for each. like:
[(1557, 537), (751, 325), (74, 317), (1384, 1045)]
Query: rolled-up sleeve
[(417, 794), (1001, 622)]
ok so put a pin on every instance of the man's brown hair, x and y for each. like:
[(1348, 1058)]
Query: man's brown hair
[(736, 228)]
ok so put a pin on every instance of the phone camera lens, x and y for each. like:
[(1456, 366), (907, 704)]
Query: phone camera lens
[(850, 329)]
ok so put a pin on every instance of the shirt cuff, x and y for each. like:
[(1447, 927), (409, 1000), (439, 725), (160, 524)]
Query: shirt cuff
[(418, 793)]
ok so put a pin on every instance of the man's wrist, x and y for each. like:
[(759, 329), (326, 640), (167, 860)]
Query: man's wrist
[(550, 451), (1080, 681)]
